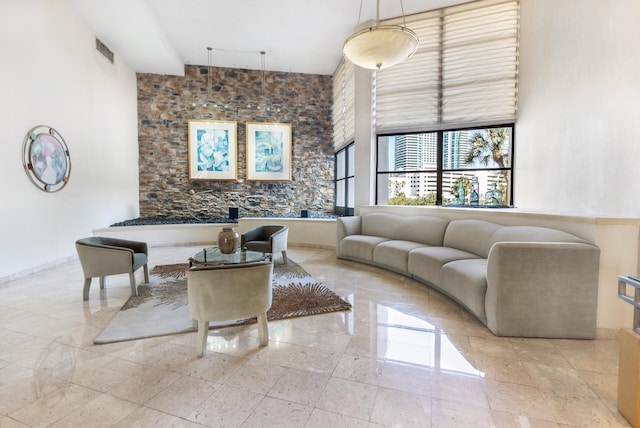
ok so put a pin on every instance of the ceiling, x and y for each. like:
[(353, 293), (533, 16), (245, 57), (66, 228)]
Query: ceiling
[(300, 36)]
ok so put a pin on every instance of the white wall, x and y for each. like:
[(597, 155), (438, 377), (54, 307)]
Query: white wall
[(577, 135), (52, 75)]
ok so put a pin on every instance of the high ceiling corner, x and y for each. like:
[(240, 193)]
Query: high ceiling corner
[(162, 36)]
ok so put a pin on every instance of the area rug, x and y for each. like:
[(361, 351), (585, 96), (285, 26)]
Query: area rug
[(161, 307)]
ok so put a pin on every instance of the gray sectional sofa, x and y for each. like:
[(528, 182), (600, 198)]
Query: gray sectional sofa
[(524, 281)]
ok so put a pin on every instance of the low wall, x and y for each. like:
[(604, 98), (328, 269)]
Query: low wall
[(308, 232)]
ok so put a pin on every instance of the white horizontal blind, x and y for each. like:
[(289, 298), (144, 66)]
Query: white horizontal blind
[(407, 94), (464, 73), (480, 63), (343, 105)]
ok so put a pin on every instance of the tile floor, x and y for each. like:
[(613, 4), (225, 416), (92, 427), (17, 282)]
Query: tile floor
[(405, 356)]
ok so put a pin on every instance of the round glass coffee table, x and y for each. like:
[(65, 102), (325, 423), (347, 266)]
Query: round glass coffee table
[(211, 256)]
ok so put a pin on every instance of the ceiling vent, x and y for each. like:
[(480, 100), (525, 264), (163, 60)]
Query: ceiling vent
[(104, 50)]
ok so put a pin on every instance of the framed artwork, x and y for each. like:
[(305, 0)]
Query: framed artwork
[(213, 150), (268, 151), (46, 158)]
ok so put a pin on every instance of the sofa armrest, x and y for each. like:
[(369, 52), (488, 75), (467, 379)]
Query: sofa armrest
[(345, 226), (278, 240), (542, 289), (348, 226), (105, 260)]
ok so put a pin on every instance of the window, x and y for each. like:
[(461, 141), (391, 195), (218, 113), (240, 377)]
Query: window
[(463, 167), (343, 105), (344, 173), (343, 136), (439, 114), (464, 73)]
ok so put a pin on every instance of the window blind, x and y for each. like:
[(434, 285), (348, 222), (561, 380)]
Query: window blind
[(343, 105), (464, 73)]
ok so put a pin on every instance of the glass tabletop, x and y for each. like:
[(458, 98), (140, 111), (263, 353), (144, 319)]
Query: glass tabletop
[(213, 256)]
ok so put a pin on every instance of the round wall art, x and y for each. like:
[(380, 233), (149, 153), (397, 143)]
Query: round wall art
[(46, 158)]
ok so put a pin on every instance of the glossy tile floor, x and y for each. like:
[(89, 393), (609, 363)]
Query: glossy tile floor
[(405, 356)]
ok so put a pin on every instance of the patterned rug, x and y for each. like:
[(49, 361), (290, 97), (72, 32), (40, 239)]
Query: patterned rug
[(161, 307)]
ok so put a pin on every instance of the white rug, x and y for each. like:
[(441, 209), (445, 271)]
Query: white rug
[(161, 307)]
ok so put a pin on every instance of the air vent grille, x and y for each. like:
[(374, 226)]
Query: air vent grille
[(104, 50)]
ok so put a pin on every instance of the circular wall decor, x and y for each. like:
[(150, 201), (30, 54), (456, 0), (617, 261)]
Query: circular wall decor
[(45, 158)]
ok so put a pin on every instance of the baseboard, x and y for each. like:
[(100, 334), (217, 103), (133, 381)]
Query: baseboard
[(36, 269)]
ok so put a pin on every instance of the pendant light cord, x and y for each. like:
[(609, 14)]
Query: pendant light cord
[(209, 77), (404, 20), (262, 64)]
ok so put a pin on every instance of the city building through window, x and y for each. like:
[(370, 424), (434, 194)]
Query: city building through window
[(467, 167)]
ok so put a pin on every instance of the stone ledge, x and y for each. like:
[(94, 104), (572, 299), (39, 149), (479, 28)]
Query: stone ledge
[(314, 232)]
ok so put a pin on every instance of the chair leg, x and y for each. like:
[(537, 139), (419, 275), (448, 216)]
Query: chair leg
[(85, 290), (263, 329), (103, 282), (146, 273), (284, 257), (132, 280), (201, 340)]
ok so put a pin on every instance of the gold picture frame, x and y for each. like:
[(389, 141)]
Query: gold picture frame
[(269, 151), (213, 150)]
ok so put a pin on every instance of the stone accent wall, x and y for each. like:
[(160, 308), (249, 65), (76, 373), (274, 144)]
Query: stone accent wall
[(167, 103)]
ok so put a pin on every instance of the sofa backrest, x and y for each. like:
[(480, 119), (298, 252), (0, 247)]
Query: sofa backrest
[(533, 234), (423, 229), (473, 236)]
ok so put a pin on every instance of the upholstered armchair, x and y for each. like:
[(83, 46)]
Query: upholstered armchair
[(267, 238), (100, 256), (228, 293)]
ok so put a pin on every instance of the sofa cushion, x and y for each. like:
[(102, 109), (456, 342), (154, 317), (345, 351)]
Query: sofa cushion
[(394, 254), (466, 281), (423, 229), (139, 260), (360, 246), (473, 236), (379, 224), (425, 263)]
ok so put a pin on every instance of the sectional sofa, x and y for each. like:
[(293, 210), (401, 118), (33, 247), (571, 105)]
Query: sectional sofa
[(525, 281)]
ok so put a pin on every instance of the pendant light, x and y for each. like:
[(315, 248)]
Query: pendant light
[(380, 46)]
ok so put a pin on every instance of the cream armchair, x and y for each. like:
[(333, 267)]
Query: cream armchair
[(227, 293), (100, 256), (267, 238)]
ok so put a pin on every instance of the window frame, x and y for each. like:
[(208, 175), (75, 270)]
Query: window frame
[(439, 170), (343, 209)]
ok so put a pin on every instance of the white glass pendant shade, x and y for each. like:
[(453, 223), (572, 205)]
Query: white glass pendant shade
[(380, 47)]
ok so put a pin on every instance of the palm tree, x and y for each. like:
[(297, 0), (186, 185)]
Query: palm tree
[(491, 145)]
